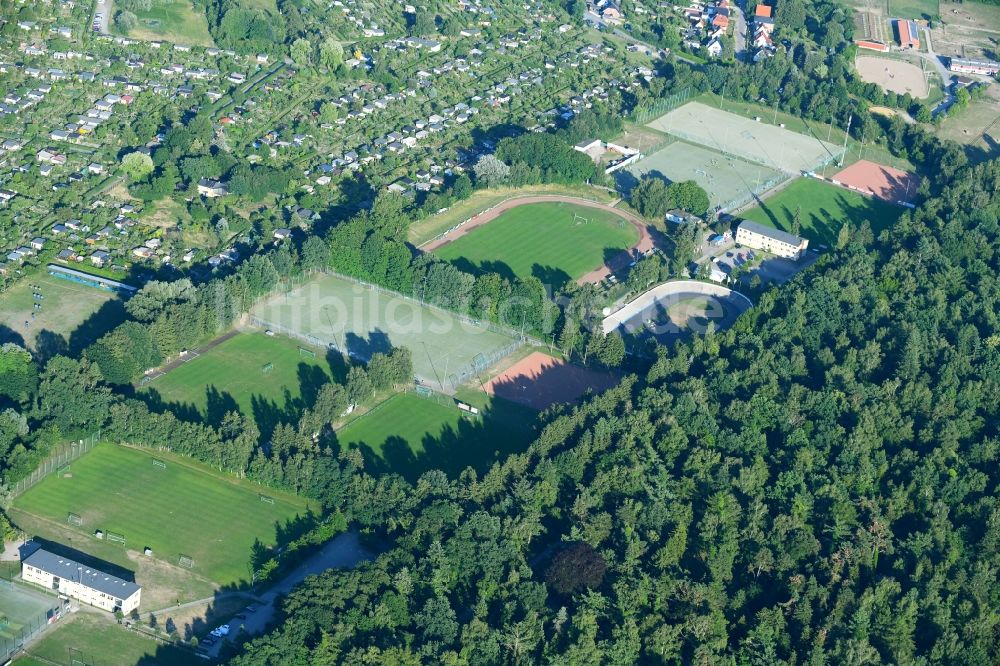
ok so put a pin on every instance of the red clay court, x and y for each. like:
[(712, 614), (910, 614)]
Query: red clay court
[(540, 381), (892, 185)]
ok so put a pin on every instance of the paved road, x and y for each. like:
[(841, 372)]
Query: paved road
[(344, 551), (104, 7), (671, 292), (144, 617), (741, 33), (942, 71)]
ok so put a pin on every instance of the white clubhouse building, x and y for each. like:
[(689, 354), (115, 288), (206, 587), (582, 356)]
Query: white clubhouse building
[(777, 242), (80, 582)]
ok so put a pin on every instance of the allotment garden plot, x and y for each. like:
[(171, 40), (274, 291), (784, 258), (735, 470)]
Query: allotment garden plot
[(177, 508), (727, 179), (361, 320), (746, 138)]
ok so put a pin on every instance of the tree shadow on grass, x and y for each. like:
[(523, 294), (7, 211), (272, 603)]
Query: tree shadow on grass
[(49, 344), (475, 442), (217, 405), (268, 414), (551, 276), (108, 316), (185, 411), (482, 268), (338, 365), (311, 380), (7, 334)]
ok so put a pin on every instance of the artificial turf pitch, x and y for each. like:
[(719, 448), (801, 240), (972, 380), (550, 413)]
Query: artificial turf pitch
[(233, 374), (409, 434), (184, 508), (823, 209), (555, 242)]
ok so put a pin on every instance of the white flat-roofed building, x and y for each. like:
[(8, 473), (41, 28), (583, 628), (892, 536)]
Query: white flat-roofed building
[(777, 242), (967, 66), (80, 582)]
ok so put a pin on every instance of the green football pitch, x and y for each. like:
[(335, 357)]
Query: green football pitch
[(555, 242), (184, 508), (234, 375), (823, 210), (409, 434)]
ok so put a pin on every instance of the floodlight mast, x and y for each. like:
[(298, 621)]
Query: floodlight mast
[(846, 136)]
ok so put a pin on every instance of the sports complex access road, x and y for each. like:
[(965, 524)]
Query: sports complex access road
[(646, 234)]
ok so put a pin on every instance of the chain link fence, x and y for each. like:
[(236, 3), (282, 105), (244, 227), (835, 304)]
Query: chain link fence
[(454, 378), (57, 459), (20, 631), (652, 110)]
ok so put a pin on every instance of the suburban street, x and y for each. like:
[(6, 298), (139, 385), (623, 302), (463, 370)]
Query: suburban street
[(741, 33)]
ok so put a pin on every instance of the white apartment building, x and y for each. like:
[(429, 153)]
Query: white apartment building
[(80, 582)]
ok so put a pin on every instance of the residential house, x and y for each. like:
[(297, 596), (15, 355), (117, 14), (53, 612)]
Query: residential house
[(763, 16), (212, 188)]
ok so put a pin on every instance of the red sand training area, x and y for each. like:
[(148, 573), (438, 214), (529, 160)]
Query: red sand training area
[(540, 381), (892, 185)]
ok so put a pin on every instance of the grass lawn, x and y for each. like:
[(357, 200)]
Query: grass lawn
[(424, 230), (77, 313), (824, 210), (231, 377), (185, 508), (409, 434), (94, 639), (914, 9), (177, 21), (544, 240)]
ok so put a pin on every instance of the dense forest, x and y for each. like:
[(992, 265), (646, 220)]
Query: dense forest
[(816, 485)]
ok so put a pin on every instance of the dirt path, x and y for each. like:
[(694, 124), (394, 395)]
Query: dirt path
[(181, 360), (617, 263)]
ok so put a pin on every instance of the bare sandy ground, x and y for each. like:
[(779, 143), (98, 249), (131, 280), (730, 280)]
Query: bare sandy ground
[(895, 76)]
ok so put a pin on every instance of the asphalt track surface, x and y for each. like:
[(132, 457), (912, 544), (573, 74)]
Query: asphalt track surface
[(635, 311)]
